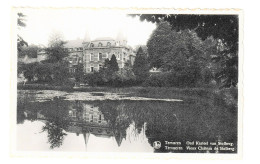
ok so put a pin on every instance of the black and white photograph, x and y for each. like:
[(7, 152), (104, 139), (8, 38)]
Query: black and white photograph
[(104, 80)]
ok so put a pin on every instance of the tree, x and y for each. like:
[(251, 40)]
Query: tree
[(30, 51), (55, 132), (79, 74), (29, 70), (106, 63), (141, 67), (221, 27), (20, 23), (183, 53), (113, 65), (56, 50), (56, 38), (61, 73), (56, 53), (144, 47), (158, 44)]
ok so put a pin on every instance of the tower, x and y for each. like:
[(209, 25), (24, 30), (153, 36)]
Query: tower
[(86, 39), (121, 38), (86, 137)]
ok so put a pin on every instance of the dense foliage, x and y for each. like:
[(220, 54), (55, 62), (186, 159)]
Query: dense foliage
[(221, 27), (113, 65), (141, 66), (184, 57), (20, 23), (110, 75), (52, 73), (56, 53), (30, 51)]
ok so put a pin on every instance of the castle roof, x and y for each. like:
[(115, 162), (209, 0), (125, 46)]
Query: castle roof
[(73, 43)]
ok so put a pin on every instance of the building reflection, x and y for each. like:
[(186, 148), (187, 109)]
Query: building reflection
[(86, 119)]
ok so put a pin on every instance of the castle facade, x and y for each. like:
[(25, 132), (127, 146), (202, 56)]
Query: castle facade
[(92, 53)]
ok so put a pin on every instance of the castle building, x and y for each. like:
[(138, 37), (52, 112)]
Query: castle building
[(75, 51), (96, 51), (92, 53)]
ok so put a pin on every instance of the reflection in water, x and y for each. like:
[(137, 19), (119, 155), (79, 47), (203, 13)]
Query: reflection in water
[(130, 121)]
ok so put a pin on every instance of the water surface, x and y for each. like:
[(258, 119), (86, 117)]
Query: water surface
[(108, 122)]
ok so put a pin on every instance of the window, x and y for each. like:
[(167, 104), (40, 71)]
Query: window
[(99, 44), (99, 118), (96, 57), (91, 118), (73, 113), (100, 56), (74, 60), (84, 115), (105, 56), (92, 69), (108, 44), (91, 57)]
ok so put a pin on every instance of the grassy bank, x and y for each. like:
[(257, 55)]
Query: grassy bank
[(43, 87), (153, 92), (209, 95)]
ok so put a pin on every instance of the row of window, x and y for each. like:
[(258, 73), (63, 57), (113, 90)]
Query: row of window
[(100, 56), (72, 70), (75, 49), (100, 44), (90, 117), (92, 68)]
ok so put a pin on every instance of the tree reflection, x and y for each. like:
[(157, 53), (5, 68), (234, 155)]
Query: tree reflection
[(55, 134)]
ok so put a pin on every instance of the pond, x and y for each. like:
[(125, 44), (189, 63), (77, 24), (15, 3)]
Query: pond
[(109, 122)]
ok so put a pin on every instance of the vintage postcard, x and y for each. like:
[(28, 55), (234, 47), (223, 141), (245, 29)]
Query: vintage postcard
[(164, 83)]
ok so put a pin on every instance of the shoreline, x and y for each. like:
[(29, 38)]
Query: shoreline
[(186, 94)]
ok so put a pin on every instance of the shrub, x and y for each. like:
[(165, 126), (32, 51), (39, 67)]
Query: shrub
[(182, 78), (227, 97), (157, 80), (93, 79)]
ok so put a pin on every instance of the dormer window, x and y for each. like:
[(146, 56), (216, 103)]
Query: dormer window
[(91, 45), (99, 44), (108, 44)]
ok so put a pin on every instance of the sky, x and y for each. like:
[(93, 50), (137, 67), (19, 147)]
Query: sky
[(31, 138), (74, 23)]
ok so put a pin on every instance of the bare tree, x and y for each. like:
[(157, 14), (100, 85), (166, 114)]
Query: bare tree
[(56, 38)]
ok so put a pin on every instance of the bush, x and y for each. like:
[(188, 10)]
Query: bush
[(93, 79), (227, 97), (183, 78), (124, 77), (157, 80)]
